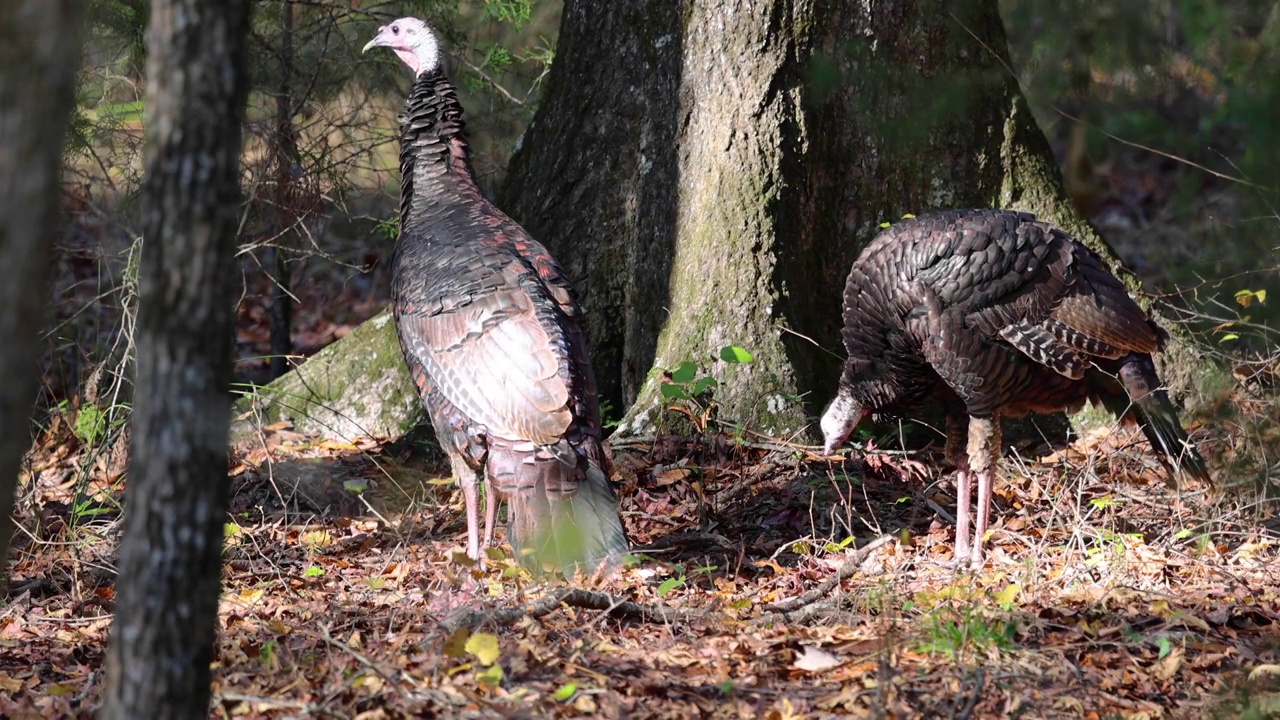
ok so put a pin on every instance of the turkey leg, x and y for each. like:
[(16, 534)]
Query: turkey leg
[(468, 480), (984, 453), (963, 502), (957, 431), (490, 511)]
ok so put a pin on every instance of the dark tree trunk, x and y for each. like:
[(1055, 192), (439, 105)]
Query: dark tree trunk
[(175, 504), (708, 170), (286, 166), (39, 54)]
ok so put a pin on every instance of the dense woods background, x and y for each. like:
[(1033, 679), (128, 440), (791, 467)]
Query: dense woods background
[(1160, 114)]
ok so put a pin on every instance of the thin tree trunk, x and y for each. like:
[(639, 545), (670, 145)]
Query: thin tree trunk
[(707, 171), (175, 504), (286, 164), (39, 56)]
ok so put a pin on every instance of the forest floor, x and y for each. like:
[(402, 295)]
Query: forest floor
[(1110, 591), (1107, 594)]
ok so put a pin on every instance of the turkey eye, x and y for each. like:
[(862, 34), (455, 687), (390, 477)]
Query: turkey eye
[(395, 30)]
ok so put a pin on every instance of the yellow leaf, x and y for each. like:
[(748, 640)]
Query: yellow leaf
[(485, 647), (1009, 594), (1261, 670)]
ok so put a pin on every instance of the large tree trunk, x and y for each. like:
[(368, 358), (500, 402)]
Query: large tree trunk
[(39, 55), (707, 171), (175, 504)]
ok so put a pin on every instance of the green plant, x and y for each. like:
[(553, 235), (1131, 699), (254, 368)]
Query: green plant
[(689, 392)]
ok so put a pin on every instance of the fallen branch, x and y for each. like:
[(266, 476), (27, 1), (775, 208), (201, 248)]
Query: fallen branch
[(849, 567), (574, 597)]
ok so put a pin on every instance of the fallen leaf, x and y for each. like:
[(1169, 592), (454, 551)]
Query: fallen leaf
[(485, 647), (814, 659)]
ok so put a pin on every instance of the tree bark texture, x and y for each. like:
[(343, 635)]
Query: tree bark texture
[(39, 55), (175, 504), (708, 170)]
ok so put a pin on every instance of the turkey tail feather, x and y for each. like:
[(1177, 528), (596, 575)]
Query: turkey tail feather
[(1158, 417), (559, 515)]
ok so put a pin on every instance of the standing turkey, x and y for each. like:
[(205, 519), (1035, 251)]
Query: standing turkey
[(992, 313), (494, 341)]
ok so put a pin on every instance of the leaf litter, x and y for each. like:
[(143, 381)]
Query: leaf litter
[(769, 585)]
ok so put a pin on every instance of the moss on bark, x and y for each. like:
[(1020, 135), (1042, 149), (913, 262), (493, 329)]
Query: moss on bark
[(356, 387)]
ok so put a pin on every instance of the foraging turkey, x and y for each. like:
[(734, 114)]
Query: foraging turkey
[(494, 340), (992, 313)]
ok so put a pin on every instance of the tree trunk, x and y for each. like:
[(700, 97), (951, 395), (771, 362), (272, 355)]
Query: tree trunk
[(175, 503), (39, 55), (707, 172), (285, 146)]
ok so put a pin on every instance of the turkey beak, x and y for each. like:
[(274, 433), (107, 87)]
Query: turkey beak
[(377, 41)]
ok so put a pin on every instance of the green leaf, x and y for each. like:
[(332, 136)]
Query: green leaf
[(671, 391), (884, 224), (704, 384), (491, 676), (313, 571), (684, 372), (670, 584), (230, 529), (908, 216), (735, 354), (1228, 336), (356, 486), (565, 692), (1261, 295), (1165, 646), (485, 647), (1182, 534)]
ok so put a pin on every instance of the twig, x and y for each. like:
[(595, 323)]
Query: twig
[(973, 699), (849, 567), (574, 597)]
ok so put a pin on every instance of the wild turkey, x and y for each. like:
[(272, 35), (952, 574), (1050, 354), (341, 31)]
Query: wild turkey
[(494, 340), (992, 313)]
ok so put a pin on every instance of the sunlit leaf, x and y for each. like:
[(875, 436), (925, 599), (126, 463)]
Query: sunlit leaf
[(735, 354), (1008, 595), (684, 372), (313, 571), (670, 584), (490, 676), (484, 646), (564, 692)]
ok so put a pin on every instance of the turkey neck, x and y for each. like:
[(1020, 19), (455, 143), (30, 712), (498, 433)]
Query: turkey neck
[(435, 157)]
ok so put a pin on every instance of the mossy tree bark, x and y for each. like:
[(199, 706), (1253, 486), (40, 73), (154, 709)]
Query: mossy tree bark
[(170, 563), (708, 170), (39, 52)]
